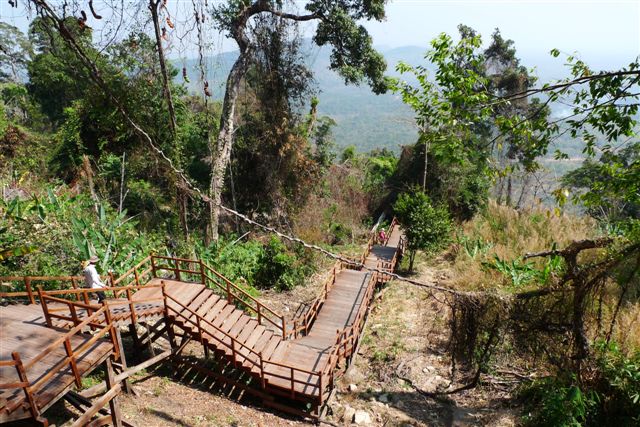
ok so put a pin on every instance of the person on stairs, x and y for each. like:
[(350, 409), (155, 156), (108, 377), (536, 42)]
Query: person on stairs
[(92, 278), (382, 236)]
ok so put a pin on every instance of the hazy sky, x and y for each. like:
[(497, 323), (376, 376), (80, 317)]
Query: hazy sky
[(605, 33), (596, 29)]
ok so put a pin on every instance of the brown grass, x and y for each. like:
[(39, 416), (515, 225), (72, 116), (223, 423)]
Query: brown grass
[(509, 234)]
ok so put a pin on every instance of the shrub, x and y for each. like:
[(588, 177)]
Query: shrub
[(610, 397), (426, 227), (277, 268)]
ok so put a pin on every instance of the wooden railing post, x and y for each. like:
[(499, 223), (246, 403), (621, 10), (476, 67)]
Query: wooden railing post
[(45, 308), (177, 270), (262, 378), (233, 352), (259, 314), (74, 314), (293, 389), (202, 273), (72, 362), (229, 297), (153, 265), (111, 277), (132, 308), (112, 329), (135, 274), (284, 328), (22, 374), (164, 297), (27, 285)]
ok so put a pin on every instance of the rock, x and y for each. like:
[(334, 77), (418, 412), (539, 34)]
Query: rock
[(352, 388), (362, 418), (435, 383), (384, 398), (349, 413), (428, 369)]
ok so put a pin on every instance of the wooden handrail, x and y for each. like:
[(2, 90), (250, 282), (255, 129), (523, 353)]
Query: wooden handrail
[(60, 340), (258, 309), (234, 342), (131, 270), (169, 258)]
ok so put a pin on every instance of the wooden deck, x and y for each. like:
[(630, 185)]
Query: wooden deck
[(23, 330), (296, 361)]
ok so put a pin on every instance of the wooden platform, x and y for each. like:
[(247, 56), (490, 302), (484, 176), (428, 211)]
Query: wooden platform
[(292, 361), (23, 329)]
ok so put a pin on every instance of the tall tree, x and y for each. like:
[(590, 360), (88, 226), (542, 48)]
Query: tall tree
[(15, 52), (353, 57)]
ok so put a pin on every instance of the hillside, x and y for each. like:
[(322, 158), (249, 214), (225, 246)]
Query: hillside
[(363, 119)]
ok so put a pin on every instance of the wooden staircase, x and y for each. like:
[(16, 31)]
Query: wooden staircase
[(289, 367)]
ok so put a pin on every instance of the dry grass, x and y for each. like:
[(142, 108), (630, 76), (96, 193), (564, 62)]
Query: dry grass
[(342, 201), (627, 329), (508, 234)]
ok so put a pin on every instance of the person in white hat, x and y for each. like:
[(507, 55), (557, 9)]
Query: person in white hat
[(92, 278)]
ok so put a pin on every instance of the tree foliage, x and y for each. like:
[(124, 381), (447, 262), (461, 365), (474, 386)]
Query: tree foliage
[(426, 227)]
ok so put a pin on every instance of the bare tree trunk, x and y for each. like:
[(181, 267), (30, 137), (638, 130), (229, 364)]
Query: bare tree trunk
[(166, 87), (426, 164), (181, 194), (88, 174), (221, 151), (122, 193)]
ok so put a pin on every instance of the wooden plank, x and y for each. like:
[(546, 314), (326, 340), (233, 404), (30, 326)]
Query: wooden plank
[(239, 326)]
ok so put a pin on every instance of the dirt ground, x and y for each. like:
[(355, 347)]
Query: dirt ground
[(403, 349)]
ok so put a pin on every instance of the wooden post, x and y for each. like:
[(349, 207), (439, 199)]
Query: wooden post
[(72, 362), (74, 314), (135, 274), (202, 273), (284, 327), (123, 362), (177, 270), (132, 308), (113, 403), (228, 292), (259, 314), (233, 352), (153, 265), (27, 285), (262, 378), (45, 308), (293, 390), (170, 333), (111, 278), (33, 408)]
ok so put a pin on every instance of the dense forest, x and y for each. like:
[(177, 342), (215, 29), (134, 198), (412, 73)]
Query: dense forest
[(110, 148)]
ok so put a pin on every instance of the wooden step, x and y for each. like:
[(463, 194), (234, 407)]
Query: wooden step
[(240, 324), (247, 330), (208, 304), (271, 347), (262, 341), (257, 332), (213, 312), (203, 296), (220, 318), (231, 320)]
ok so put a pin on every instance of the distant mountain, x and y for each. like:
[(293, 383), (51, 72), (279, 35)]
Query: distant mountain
[(363, 119)]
